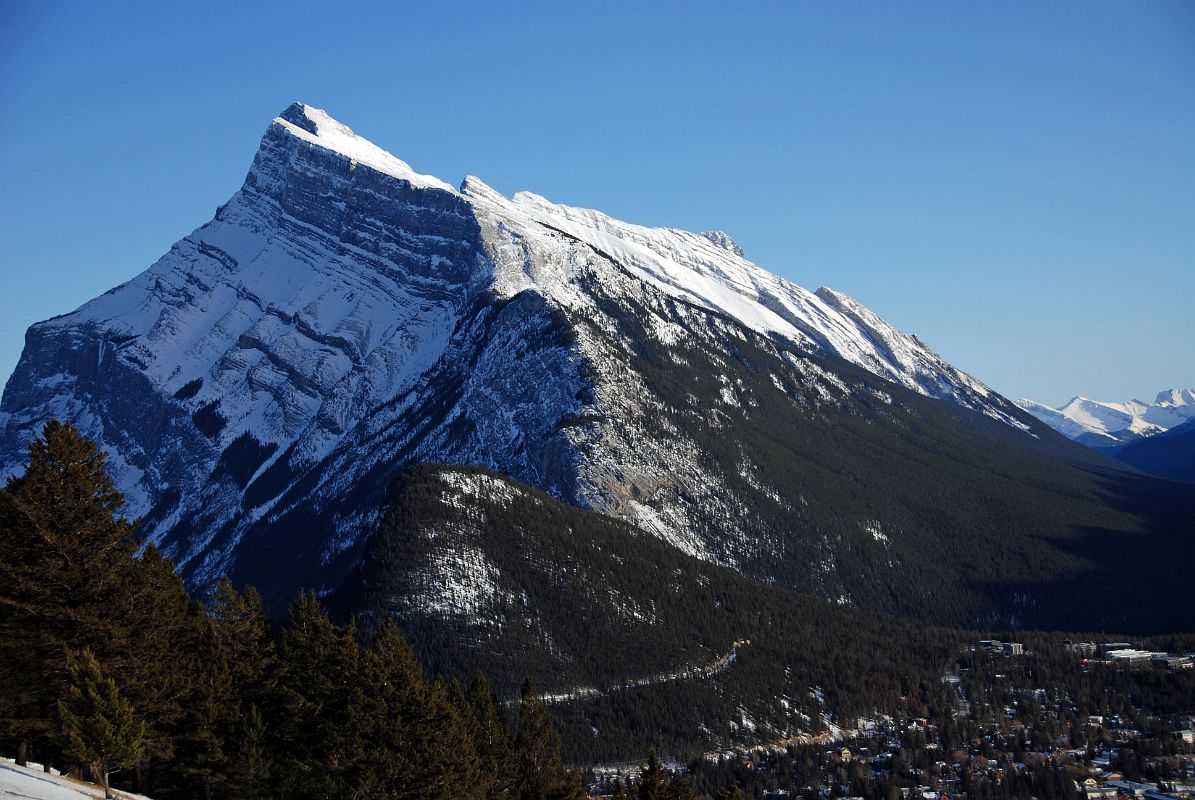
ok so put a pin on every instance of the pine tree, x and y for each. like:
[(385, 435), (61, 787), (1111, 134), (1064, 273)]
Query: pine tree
[(653, 781), (244, 632), (199, 735), (66, 557), (315, 743), (99, 728), (250, 766), (535, 754), (169, 666), (492, 739), (419, 742)]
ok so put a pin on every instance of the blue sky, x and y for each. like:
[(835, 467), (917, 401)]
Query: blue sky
[(1015, 182)]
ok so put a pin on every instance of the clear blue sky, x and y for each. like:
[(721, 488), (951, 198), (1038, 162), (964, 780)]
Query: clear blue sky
[(1013, 181)]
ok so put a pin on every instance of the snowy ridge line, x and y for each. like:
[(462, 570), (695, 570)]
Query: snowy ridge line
[(702, 671), (315, 126), (317, 328), (1108, 423)]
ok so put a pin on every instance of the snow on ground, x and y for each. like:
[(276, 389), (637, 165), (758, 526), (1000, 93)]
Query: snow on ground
[(33, 784)]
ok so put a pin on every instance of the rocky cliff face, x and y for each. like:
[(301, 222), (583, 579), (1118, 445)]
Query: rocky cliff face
[(265, 381)]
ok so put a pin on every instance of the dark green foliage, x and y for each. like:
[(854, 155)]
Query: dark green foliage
[(1167, 455), (203, 702), (224, 711), (244, 633), (99, 729), (319, 747), (189, 389), (241, 459), (567, 576), (491, 735), (66, 567), (208, 419), (535, 755), (657, 783), (250, 763), (985, 524), (419, 743)]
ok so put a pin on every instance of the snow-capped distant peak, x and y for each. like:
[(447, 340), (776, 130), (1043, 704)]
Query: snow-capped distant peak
[(314, 125), (1176, 397), (1116, 422)]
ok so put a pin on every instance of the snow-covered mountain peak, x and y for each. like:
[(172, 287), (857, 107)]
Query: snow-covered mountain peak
[(711, 272), (315, 126), (723, 240), (343, 313), (1104, 423), (1176, 397), (475, 188)]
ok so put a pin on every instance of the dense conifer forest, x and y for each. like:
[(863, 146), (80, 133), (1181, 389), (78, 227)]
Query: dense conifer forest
[(110, 670)]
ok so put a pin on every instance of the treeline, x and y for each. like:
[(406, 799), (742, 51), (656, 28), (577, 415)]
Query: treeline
[(108, 669)]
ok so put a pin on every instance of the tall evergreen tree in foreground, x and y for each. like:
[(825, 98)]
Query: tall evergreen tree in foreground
[(492, 738), (317, 745), (98, 725), (107, 663), (419, 741), (535, 754), (245, 634), (67, 561)]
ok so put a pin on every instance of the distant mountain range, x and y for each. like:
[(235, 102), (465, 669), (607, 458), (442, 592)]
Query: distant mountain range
[(457, 408), (1100, 424), (1125, 430)]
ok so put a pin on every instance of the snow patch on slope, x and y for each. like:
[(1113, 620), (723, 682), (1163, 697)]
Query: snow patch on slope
[(34, 784)]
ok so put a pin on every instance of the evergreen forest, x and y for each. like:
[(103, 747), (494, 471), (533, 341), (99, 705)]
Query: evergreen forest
[(111, 672)]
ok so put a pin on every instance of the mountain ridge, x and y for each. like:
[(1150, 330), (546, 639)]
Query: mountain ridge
[(264, 383), (1101, 424)]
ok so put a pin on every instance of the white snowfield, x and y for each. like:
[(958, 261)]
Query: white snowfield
[(1117, 422), (33, 784)]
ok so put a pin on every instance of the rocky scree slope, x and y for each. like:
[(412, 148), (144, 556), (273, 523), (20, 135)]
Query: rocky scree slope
[(265, 382)]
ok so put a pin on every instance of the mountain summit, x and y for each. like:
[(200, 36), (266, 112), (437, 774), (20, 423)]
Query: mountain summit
[(264, 387), (1103, 424)]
